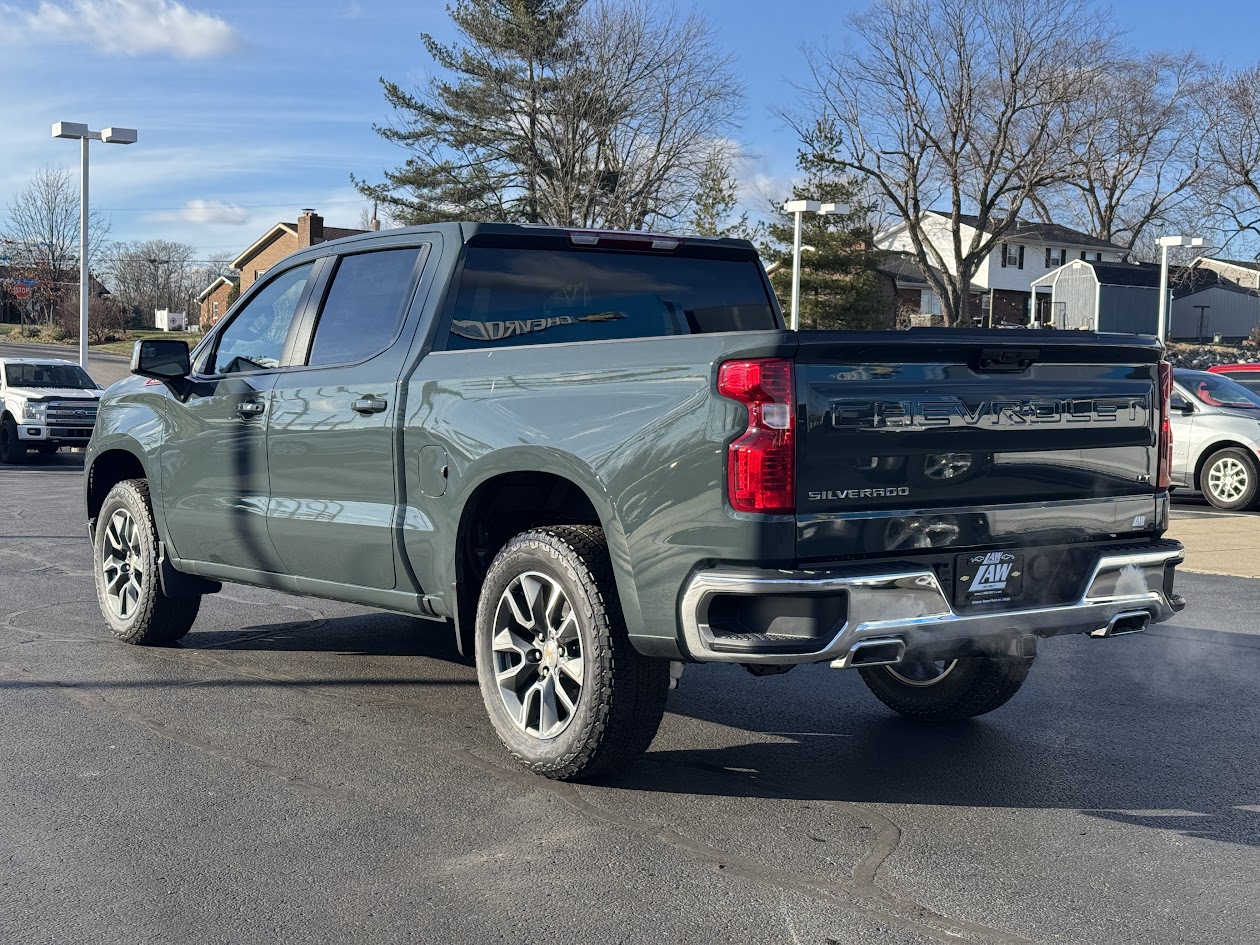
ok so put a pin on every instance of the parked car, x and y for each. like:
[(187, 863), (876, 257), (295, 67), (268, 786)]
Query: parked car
[(593, 457), (1216, 438), (1248, 375), (45, 404)]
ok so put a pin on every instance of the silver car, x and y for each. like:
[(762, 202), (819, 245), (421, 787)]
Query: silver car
[(1216, 438)]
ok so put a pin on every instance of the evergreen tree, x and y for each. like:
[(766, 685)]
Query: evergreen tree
[(716, 200), (839, 285), (478, 138)]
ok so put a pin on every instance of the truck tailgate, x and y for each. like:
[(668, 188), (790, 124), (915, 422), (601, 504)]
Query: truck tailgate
[(956, 438)]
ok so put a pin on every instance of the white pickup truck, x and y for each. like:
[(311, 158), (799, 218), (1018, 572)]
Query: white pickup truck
[(45, 404)]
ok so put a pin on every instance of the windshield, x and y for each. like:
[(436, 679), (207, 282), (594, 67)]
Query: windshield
[(48, 375), (1217, 391)]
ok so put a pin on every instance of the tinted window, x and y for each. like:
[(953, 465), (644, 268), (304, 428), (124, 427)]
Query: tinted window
[(254, 340), (48, 375), (364, 309), (535, 296)]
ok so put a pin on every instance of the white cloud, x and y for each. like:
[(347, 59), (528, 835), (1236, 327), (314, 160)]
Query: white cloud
[(203, 211), (129, 27)]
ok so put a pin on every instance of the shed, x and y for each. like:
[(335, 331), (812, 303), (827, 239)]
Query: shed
[(1224, 309), (1112, 297)]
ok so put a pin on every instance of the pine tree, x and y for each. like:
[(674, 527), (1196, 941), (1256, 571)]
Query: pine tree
[(716, 200), (839, 285), (478, 140)]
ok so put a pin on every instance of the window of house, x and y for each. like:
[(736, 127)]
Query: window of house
[(1097, 257), (254, 340), (214, 309), (364, 309), (1055, 257), (1012, 256), (929, 302)]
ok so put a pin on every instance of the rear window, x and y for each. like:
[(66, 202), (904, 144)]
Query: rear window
[(512, 296)]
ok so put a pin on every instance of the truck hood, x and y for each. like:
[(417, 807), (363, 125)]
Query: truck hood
[(54, 393)]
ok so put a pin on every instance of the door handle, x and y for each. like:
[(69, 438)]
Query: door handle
[(369, 405), (250, 408)]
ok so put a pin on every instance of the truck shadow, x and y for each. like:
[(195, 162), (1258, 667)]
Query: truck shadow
[(1113, 731)]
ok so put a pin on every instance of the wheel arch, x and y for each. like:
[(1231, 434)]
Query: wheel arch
[(506, 502), (108, 468)]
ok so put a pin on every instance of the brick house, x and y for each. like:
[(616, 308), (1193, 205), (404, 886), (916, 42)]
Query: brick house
[(216, 298), (1003, 284), (278, 242)]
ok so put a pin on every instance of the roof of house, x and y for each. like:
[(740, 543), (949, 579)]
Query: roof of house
[(330, 233), (1253, 265), (230, 280), (905, 268), (1224, 286), (1042, 232)]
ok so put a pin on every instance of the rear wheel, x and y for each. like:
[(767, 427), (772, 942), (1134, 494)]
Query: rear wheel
[(11, 448), (947, 690), (1229, 480), (568, 694), (126, 568)]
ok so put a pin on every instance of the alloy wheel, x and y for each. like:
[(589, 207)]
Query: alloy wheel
[(1228, 479), (921, 673), (122, 564), (539, 664)]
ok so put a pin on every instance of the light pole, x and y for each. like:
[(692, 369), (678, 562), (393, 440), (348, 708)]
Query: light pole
[(799, 208), (70, 129), (1161, 327)]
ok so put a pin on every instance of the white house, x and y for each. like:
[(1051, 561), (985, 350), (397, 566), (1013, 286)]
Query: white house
[(1002, 288)]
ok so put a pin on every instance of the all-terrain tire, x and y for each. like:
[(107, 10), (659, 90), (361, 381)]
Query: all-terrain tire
[(11, 449), (622, 695), (967, 687), (125, 563)]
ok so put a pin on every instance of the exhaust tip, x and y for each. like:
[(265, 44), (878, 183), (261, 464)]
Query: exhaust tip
[(1120, 624), (876, 652)]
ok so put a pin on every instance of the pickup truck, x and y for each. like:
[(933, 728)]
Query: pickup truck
[(45, 404), (594, 457)]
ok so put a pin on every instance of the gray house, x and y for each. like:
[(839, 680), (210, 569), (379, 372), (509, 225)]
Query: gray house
[(1224, 309)]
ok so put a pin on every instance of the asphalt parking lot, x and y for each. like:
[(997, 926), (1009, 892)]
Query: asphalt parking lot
[(301, 771)]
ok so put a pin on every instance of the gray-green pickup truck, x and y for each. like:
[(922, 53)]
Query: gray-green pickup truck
[(594, 457)]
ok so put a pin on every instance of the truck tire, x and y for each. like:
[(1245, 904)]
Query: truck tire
[(1229, 480), (947, 690), (125, 562), (11, 449), (568, 694)]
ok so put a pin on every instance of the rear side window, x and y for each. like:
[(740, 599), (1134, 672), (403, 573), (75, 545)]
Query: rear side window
[(364, 308), (510, 296)]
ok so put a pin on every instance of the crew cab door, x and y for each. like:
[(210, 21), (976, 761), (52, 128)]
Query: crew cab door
[(331, 446), (214, 457)]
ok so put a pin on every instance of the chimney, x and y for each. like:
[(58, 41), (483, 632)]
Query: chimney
[(310, 229)]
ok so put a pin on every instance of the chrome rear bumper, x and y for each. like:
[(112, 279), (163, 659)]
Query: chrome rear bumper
[(908, 604)]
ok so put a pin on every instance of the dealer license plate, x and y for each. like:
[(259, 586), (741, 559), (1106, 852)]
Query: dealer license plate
[(989, 577)]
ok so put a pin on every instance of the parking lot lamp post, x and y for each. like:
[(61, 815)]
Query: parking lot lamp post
[(70, 129), (799, 208), (1161, 327)]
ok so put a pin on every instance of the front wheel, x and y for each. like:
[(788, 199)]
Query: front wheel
[(1229, 480), (947, 690), (126, 568), (11, 448), (568, 694)]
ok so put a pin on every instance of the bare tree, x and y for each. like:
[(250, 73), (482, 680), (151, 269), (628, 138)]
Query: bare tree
[(1143, 155), (41, 236), (156, 274), (961, 106), (1235, 156)]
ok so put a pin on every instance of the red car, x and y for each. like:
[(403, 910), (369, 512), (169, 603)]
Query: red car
[(1248, 375)]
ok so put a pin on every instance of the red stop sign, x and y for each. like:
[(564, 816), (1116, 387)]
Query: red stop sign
[(21, 290)]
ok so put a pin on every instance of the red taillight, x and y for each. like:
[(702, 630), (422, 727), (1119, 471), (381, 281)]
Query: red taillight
[(761, 464), (1163, 478)]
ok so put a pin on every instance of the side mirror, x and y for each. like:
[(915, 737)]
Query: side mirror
[(161, 358), (1186, 409)]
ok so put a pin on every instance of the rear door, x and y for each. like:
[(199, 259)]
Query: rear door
[(953, 439), (331, 439)]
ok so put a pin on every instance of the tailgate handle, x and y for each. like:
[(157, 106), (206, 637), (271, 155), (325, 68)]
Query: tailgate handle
[(1006, 359)]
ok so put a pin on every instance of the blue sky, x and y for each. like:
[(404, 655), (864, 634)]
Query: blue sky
[(250, 111)]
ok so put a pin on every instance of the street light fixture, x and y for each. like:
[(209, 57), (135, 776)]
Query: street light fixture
[(71, 129), (799, 208), (1161, 327)]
